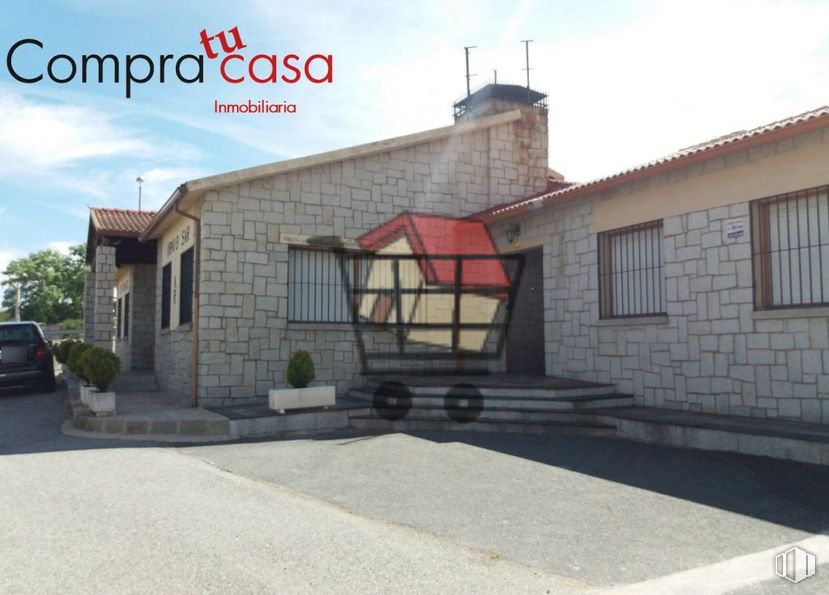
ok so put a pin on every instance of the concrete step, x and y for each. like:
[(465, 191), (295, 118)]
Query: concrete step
[(578, 389), (483, 424), (776, 438), (136, 382), (604, 399), (492, 413)]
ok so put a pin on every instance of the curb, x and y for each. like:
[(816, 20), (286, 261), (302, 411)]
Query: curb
[(69, 429), (83, 424)]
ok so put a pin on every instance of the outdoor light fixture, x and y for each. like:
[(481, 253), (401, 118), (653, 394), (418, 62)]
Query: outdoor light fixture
[(513, 232)]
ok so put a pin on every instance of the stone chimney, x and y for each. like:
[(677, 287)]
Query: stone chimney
[(519, 150)]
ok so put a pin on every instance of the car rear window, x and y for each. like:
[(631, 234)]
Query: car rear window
[(17, 333)]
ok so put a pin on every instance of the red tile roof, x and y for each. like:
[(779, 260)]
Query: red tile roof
[(731, 142), (436, 235), (120, 222)]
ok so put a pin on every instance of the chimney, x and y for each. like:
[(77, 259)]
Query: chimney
[(495, 98), (525, 142)]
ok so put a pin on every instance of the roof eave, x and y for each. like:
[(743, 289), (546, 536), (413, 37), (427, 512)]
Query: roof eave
[(162, 213), (589, 188)]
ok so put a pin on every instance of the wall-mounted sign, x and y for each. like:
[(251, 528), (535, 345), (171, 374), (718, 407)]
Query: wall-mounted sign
[(734, 228), (178, 241)]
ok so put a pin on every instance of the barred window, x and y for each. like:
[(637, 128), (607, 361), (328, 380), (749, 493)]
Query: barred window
[(166, 285), (632, 271), (790, 240), (118, 308), (318, 291), (126, 323), (185, 296)]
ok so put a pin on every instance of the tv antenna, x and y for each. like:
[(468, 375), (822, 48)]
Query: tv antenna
[(468, 76), (527, 43), (140, 181)]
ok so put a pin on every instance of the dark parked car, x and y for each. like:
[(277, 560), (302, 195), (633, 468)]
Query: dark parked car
[(25, 356)]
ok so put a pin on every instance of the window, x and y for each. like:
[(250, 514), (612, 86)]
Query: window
[(118, 309), (166, 281), (185, 304), (317, 289), (126, 323), (790, 241), (631, 271)]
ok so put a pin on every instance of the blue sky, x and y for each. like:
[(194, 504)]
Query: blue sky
[(628, 82)]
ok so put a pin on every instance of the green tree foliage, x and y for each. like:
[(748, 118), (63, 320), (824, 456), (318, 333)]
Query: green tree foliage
[(51, 285)]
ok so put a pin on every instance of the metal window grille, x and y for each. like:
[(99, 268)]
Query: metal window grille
[(126, 323), (318, 290), (790, 248), (185, 311), (166, 283), (118, 307), (632, 271)]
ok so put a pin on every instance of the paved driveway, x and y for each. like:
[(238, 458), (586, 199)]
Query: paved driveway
[(390, 513)]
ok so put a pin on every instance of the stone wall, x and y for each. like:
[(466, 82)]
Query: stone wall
[(172, 347), (142, 316), (89, 307), (103, 304), (712, 352), (245, 337)]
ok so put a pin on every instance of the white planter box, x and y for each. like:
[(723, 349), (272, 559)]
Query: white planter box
[(85, 389), (281, 399), (102, 403)]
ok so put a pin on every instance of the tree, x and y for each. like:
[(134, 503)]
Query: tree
[(51, 285)]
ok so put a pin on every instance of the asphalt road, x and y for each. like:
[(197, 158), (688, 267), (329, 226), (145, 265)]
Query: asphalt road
[(391, 513)]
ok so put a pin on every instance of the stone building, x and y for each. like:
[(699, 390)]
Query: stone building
[(251, 227), (699, 281)]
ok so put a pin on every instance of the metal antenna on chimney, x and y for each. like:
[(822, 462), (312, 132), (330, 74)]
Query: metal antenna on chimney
[(468, 76), (140, 181), (527, 43)]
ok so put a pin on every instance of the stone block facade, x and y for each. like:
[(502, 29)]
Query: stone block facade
[(99, 329), (245, 336), (143, 316), (136, 350), (711, 352)]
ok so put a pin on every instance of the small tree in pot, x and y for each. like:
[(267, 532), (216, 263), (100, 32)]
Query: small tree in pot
[(300, 374), (301, 371), (102, 368), (62, 348)]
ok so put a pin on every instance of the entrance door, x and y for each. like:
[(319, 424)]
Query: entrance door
[(525, 336)]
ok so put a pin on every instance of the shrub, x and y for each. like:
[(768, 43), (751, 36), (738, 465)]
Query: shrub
[(300, 369), (62, 348), (75, 352), (101, 367)]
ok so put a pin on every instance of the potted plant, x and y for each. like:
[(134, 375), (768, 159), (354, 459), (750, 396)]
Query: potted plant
[(74, 353), (61, 351), (102, 368), (300, 374)]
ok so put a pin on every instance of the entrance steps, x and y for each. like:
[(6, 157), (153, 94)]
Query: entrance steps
[(137, 381), (487, 403)]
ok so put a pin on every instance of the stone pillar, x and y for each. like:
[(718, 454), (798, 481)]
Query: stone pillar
[(104, 321), (89, 308)]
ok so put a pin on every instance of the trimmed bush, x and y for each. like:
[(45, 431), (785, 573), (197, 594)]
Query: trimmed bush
[(300, 369), (101, 367), (75, 352), (61, 349)]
